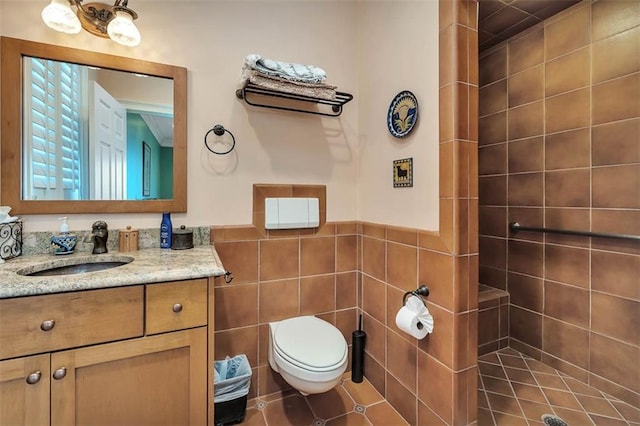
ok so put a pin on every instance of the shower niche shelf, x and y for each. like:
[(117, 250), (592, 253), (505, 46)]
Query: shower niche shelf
[(267, 98)]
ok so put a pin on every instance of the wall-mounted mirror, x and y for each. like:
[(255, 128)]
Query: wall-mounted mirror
[(84, 132)]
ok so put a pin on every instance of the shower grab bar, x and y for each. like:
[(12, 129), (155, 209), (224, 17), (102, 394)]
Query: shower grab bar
[(515, 227)]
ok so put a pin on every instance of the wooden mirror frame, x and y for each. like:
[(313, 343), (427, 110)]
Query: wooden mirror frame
[(11, 127)]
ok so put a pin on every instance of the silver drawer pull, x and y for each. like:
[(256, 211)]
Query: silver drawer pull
[(34, 377), (47, 325), (177, 307), (60, 373)]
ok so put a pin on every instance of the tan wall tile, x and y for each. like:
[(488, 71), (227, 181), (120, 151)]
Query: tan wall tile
[(402, 400), (376, 339), (567, 150), (616, 187), (241, 258), (611, 359), (373, 298), (402, 266), (567, 111), (525, 326), (566, 303), (526, 155), (526, 291), (526, 257), (492, 129), (374, 257), (432, 378), (436, 271), (616, 274), (346, 253), (608, 313), (346, 290), (526, 121), (611, 100), (493, 66), (440, 343), (525, 189), (317, 294), (526, 86), (567, 188), (567, 265), (238, 341), (612, 17), (317, 255), (278, 300), (279, 259), (401, 359), (616, 143), (492, 160), (566, 342), (493, 98), (568, 72), (493, 252), (492, 221), (236, 306), (493, 190), (568, 34), (616, 56), (526, 52)]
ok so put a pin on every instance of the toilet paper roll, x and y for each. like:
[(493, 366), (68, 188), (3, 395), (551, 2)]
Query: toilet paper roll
[(407, 321), (414, 318)]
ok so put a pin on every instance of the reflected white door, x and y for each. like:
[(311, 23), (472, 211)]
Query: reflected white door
[(107, 146)]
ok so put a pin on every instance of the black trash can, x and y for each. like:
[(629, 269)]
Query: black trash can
[(231, 386)]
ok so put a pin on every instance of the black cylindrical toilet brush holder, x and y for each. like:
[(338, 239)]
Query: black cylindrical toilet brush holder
[(358, 341)]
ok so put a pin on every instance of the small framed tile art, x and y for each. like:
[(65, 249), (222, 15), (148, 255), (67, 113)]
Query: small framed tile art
[(403, 173)]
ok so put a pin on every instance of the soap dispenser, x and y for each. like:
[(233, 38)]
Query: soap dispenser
[(65, 242)]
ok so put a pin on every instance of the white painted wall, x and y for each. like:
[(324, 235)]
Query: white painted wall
[(370, 49)]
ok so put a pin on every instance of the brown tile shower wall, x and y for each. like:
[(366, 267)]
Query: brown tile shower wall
[(560, 147)]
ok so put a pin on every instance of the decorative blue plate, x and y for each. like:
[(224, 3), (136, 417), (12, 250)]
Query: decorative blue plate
[(403, 114)]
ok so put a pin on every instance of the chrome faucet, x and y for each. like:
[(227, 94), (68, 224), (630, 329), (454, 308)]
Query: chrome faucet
[(100, 235)]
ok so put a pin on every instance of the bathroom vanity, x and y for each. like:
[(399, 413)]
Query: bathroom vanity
[(127, 345)]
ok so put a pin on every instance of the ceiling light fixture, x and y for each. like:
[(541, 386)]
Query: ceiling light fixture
[(100, 19)]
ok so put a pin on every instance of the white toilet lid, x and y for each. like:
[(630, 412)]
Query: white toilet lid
[(310, 342)]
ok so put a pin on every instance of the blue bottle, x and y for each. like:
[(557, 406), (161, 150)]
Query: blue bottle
[(166, 231)]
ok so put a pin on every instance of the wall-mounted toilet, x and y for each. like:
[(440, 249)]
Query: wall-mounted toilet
[(309, 353)]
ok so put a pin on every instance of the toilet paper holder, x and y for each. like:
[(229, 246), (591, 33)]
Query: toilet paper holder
[(423, 291)]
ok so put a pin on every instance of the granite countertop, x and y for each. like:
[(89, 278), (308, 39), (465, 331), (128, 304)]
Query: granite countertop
[(148, 266)]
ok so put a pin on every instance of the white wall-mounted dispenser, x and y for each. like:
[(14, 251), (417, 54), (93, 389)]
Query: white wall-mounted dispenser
[(291, 213)]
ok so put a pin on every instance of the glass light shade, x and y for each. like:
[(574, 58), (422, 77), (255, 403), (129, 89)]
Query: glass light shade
[(59, 16), (122, 30)]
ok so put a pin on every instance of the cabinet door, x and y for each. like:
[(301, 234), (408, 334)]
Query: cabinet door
[(24, 391), (159, 380)]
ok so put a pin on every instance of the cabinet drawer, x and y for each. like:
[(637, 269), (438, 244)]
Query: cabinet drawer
[(58, 321), (176, 305)]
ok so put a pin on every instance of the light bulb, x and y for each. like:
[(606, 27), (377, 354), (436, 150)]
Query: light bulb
[(59, 16), (122, 30)]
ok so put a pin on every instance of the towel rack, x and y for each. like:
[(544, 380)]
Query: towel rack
[(515, 227), (248, 92)]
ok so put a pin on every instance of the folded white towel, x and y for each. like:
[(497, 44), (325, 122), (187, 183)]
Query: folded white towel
[(286, 70)]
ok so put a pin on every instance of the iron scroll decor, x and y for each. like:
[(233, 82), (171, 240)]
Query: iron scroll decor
[(10, 239)]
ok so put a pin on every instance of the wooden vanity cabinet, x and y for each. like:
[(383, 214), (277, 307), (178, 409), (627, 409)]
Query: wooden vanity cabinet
[(158, 376)]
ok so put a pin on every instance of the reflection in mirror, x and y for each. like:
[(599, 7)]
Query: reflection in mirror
[(84, 129), (85, 132)]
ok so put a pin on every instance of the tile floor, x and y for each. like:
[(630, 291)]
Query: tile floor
[(352, 404), (515, 389)]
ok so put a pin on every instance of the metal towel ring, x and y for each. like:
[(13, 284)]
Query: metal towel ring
[(219, 130)]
